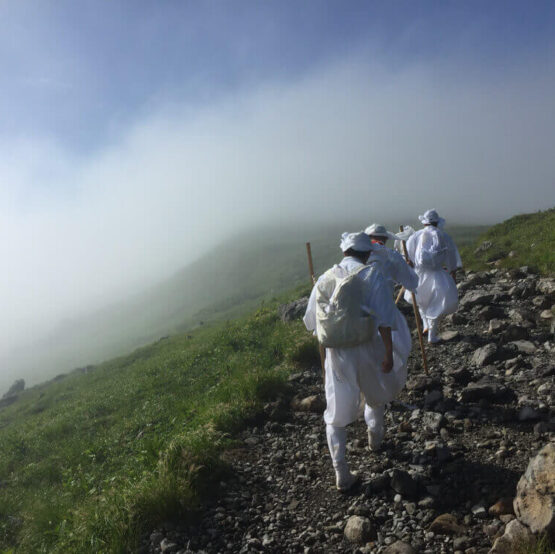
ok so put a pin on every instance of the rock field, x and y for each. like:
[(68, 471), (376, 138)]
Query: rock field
[(458, 441)]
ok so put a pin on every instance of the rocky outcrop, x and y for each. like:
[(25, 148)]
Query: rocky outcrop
[(534, 504), (293, 310), (17, 387)]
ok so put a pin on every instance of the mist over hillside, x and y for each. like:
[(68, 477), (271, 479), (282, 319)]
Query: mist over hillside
[(222, 283)]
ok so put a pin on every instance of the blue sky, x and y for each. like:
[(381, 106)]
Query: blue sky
[(80, 72)]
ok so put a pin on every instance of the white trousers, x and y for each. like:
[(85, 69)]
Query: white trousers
[(337, 436)]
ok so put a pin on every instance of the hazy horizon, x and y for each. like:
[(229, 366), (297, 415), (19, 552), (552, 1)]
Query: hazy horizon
[(136, 137)]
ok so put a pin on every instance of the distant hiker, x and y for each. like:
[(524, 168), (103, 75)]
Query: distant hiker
[(367, 372), (391, 263), (395, 270), (436, 260)]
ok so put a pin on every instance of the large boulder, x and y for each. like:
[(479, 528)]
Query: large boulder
[(516, 537), (293, 310), (535, 493)]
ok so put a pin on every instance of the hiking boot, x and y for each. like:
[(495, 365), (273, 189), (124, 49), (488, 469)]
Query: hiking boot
[(344, 479), (375, 438)]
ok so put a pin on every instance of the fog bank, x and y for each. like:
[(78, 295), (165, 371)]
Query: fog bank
[(350, 139)]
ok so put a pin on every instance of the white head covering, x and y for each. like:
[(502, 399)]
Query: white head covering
[(377, 230), (431, 216), (357, 241)]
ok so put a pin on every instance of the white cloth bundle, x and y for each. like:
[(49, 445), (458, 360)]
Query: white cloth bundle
[(435, 256)]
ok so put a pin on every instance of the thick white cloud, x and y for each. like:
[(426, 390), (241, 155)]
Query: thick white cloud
[(348, 141)]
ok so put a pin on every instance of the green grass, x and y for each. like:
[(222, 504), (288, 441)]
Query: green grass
[(90, 462), (536, 545), (527, 239)]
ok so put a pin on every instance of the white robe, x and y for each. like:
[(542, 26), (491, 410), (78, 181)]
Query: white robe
[(356, 370), (434, 255), (396, 270)]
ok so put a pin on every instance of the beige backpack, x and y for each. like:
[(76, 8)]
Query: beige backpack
[(340, 319)]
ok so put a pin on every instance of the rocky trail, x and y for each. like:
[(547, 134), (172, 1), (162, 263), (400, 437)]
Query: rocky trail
[(457, 443)]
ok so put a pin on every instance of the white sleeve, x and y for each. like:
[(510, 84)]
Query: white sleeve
[(309, 318), (402, 272), (411, 246), (380, 301)]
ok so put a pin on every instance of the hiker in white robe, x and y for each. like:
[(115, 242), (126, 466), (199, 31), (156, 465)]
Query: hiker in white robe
[(371, 372), (396, 270), (436, 260)]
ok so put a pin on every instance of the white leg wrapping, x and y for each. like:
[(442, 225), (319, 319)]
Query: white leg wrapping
[(374, 416), (337, 443), (433, 333), (425, 322)]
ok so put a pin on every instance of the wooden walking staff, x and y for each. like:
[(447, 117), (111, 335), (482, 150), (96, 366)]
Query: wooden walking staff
[(416, 313), (401, 292), (313, 281)]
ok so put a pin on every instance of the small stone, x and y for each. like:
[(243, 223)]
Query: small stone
[(446, 524), (399, 547), (312, 403), (427, 502), (460, 542), (359, 530), (484, 355), (447, 336), (403, 483), (479, 511), (496, 326), (432, 398), (168, 546), (475, 298), (524, 346), (502, 507), (462, 376), (527, 413)]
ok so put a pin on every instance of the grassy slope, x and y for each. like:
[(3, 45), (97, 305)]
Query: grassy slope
[(530, 236), (89, 461)]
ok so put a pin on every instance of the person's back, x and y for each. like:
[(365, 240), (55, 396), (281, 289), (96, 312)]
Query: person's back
[(433, 249), (436, 259), (371, 369)]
